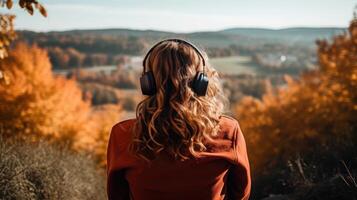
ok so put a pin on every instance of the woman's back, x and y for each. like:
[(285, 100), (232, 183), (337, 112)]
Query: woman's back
[(221, 172)]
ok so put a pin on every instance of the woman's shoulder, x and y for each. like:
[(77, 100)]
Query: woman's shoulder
[(224, 141), (125, 123), (227, 121), (228, 117), (228, 127), (123, 127)]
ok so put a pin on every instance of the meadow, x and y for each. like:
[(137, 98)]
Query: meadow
[(235, 65)]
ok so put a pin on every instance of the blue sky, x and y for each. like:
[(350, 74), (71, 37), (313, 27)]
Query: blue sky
[(186, 15)]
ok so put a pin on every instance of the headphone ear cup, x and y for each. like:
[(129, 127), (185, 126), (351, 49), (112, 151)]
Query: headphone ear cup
[(147, 83), (200, 84)]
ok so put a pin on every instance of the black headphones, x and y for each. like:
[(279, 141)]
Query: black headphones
[(199, 83)]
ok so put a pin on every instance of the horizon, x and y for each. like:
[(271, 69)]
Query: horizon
[(176, 32), (184, 17)]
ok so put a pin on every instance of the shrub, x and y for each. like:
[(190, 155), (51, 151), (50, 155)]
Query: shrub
[(35, 102), (41, 171), (314, 117)]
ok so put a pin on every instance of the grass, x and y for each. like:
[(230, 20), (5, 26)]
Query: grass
[(234, 65), (43, 171)]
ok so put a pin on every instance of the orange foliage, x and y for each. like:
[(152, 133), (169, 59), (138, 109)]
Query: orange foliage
[(318, 112), (7, 33), (100, 122), (36, 104)]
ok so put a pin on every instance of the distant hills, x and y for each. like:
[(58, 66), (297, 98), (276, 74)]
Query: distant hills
[(98, 47), (302, 34), (238, 36)]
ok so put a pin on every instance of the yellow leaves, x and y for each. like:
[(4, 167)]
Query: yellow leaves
[(306, 113), (38, 102), (28, 5), (97, 129), (343, 54), (9, 4), (29, 8), (3, 52), (22, 4), (336, 87), (332, 65), (354, 77), (4, 78), (345, 92), (7, 33), (41, 9)]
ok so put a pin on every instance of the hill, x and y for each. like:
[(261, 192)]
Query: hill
[(226, 37), (98, 47), (291, 35)]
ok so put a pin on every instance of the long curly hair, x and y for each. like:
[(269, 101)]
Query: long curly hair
[(175, 119)]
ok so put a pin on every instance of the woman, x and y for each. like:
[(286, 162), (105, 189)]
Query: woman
[(180, 145)]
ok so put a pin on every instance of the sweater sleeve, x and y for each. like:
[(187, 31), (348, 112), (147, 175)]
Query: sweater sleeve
[(239, 179), (117, 186)]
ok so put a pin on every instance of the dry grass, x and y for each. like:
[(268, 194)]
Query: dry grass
[(43, 171)]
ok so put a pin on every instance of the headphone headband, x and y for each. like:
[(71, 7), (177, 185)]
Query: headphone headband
[(175, 40)]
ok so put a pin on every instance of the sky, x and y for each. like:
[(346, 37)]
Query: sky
[(185, 15)]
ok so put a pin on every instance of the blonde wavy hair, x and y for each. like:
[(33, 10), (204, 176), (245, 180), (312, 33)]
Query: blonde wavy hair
[(175, 119)]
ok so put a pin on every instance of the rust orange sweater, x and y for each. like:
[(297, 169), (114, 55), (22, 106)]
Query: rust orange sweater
[(222, 172)]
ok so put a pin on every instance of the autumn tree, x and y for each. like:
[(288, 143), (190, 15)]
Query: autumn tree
[(99, 124), (58, 57), (7, 34), (317, 113), (34, 102)]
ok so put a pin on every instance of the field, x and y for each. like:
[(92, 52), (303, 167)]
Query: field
[(230, 65), (234, 65)]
